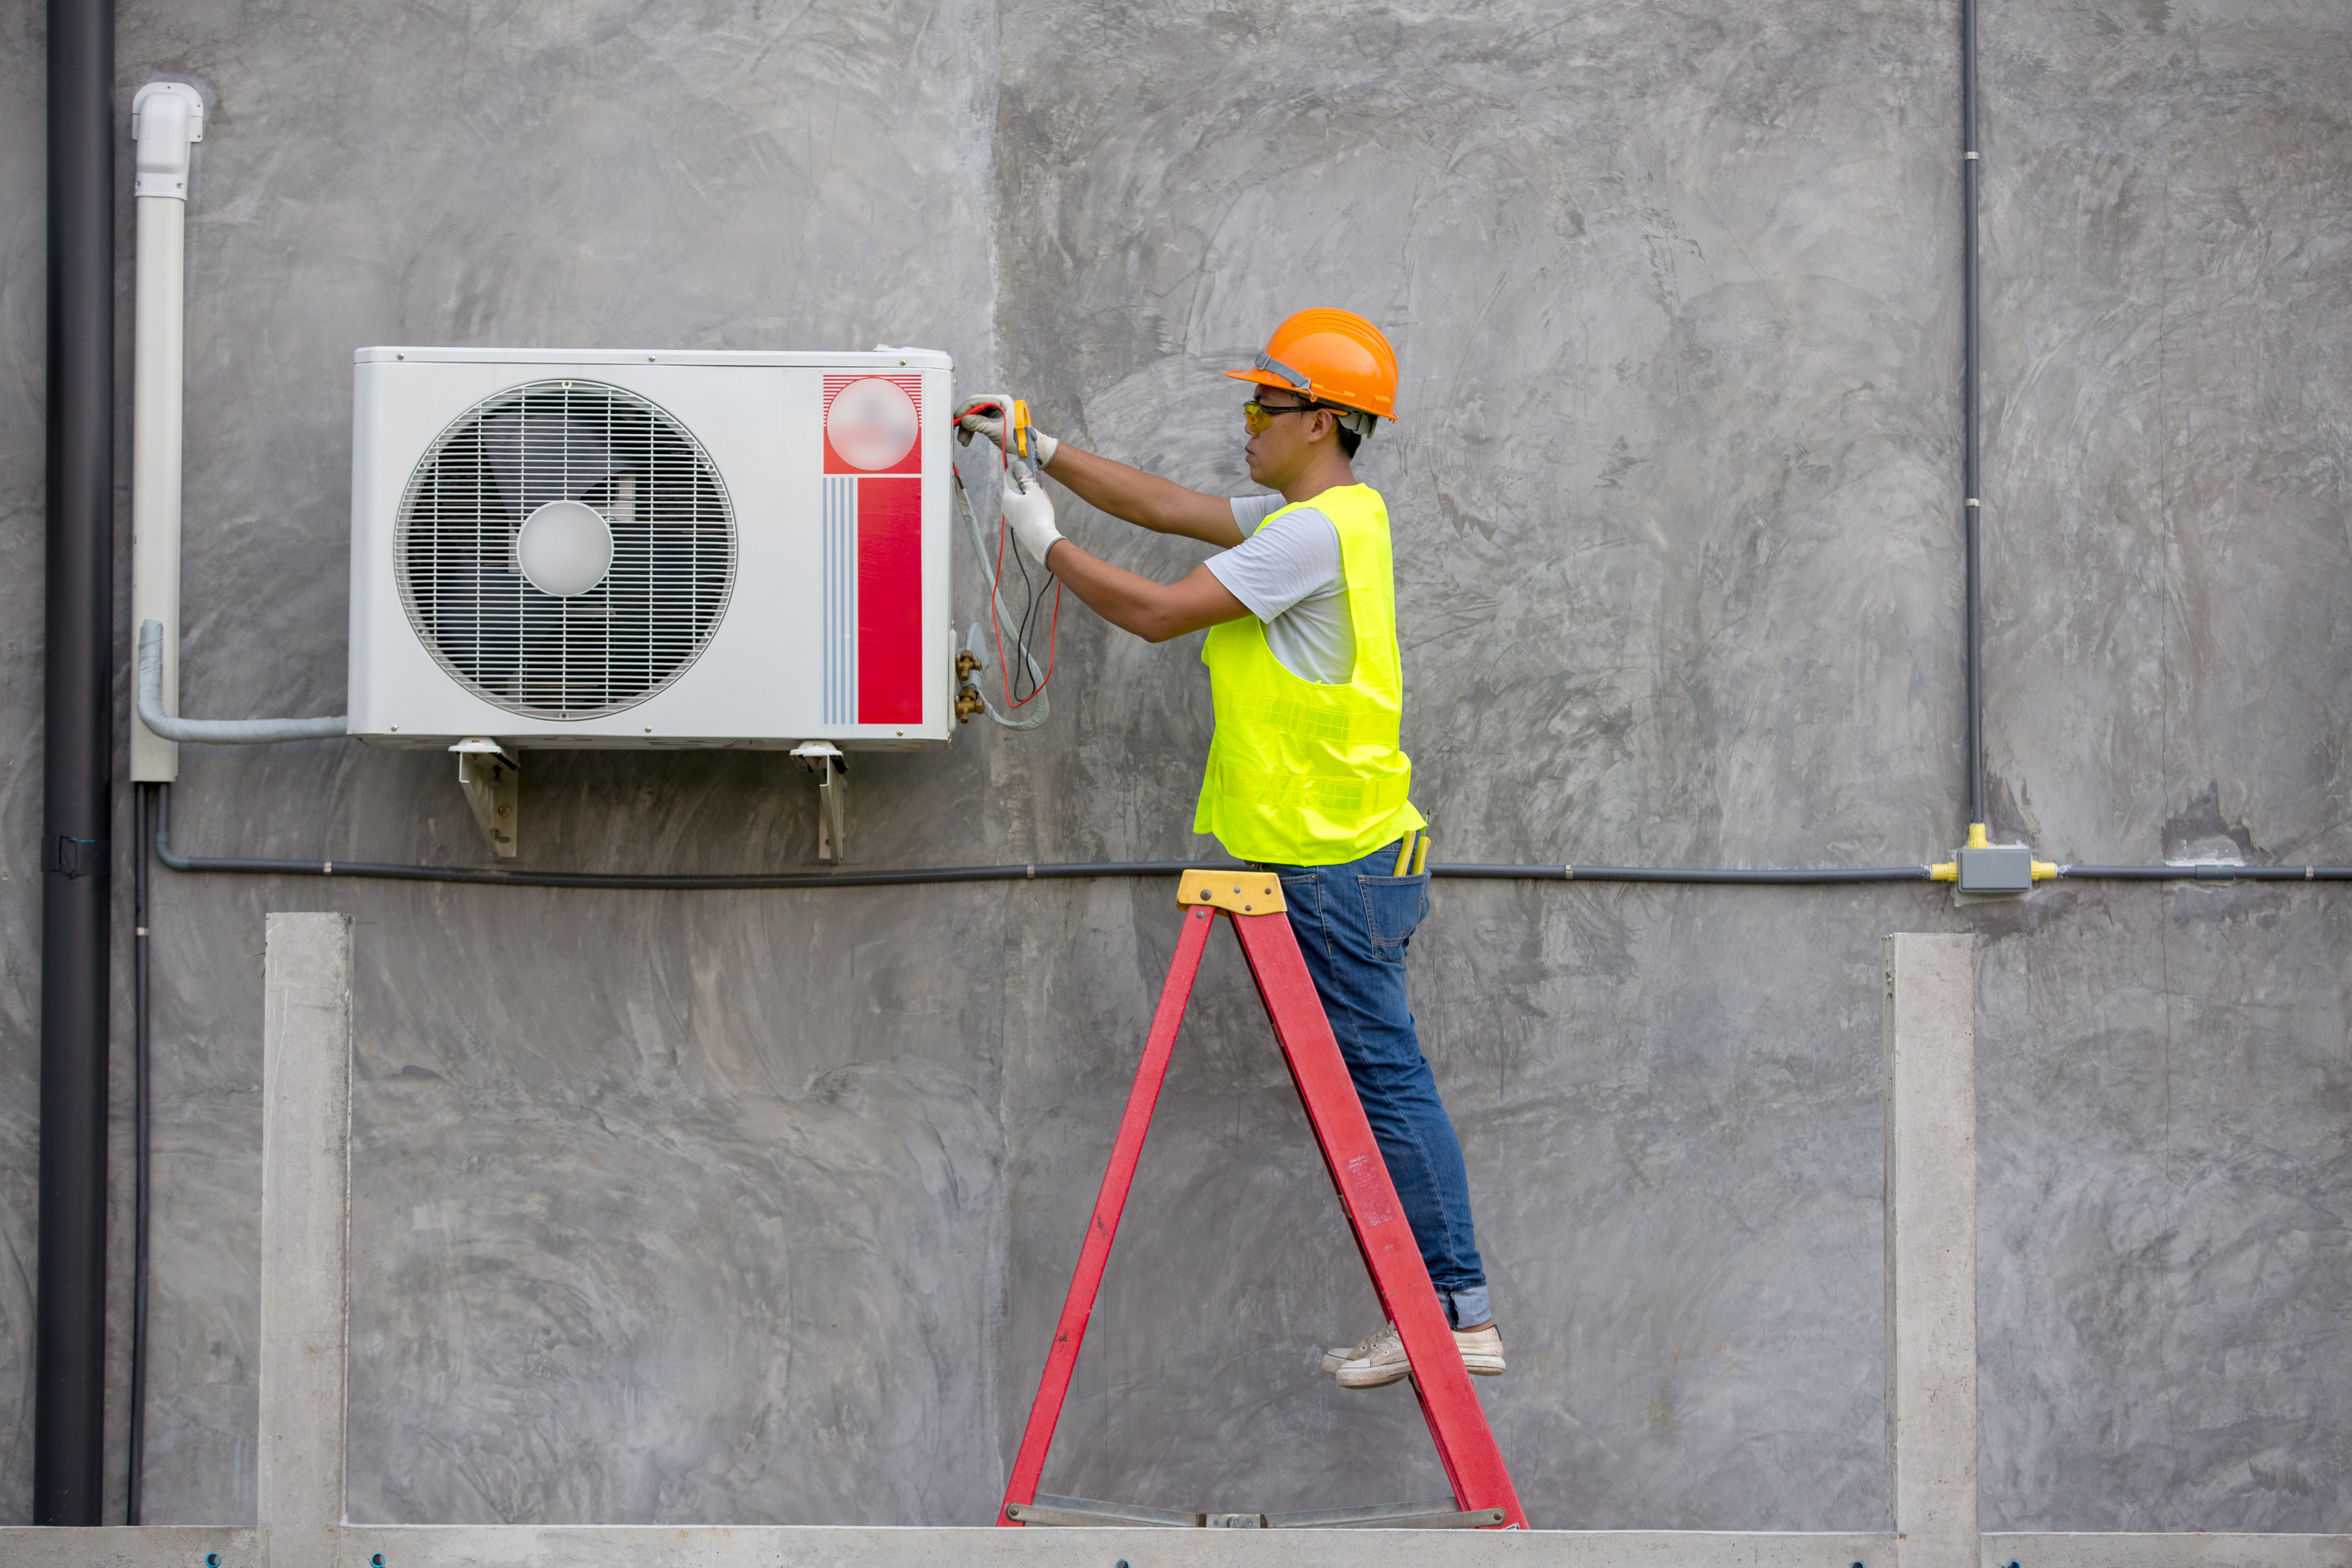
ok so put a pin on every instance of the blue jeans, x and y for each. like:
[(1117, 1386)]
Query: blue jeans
[(1354, 922)]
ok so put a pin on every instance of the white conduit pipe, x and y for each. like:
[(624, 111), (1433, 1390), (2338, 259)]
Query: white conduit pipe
[(167, 119)]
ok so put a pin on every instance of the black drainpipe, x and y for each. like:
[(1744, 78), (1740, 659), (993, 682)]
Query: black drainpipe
[(78, 735)]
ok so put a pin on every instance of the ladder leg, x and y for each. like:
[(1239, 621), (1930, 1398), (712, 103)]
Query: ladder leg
[(1457, 1423), (1062, 1360)]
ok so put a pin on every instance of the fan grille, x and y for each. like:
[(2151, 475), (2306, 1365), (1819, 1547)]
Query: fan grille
[(596, 653)]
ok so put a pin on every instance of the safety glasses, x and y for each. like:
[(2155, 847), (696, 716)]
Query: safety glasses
[(1257, 415)]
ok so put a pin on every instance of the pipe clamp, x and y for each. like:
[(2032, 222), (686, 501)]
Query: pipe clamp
[(75, 858)]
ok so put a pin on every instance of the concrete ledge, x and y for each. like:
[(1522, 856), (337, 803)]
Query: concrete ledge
[(770, 1546), (128, 1546), (2057, 1548), (592, 1547), (709, 1546)]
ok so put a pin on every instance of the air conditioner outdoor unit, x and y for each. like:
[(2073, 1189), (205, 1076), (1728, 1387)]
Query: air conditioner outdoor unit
[(581, 548)]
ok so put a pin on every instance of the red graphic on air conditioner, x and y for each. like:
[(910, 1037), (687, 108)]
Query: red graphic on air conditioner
[(872, 442), (872, 425)]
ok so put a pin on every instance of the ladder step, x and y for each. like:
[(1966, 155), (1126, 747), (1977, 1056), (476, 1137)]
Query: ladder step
[(1079, 1510), (1390, 1516), (1090, 1513)]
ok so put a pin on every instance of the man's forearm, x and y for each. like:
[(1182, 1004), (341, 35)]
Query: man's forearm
[(1145, 499), (1133, 602)]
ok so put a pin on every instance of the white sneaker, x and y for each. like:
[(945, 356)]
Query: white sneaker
[(1337, 1357), (1380, 1360), (1481, 1351)]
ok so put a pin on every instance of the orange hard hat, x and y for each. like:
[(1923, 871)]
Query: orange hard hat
[(1331, 356)]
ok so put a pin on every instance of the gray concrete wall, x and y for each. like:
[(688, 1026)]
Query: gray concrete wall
[(753, 1208), (23, 268)]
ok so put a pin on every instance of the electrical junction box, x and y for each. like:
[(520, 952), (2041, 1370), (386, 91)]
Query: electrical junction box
[(556, 548), (1997, 869)]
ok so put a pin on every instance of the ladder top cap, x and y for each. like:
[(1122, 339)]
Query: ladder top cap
[(1237, 892)]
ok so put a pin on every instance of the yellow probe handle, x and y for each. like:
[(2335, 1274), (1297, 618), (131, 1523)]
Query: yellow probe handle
[(1412, 854), (1020, 427)]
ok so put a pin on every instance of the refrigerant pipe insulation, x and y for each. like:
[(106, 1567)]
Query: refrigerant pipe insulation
[(214, 732), (1002, 616)]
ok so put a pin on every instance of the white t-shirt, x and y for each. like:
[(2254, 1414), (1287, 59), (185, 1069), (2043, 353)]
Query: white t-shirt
[(1289, 577)]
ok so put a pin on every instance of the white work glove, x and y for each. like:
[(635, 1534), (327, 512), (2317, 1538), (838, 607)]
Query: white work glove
[(985, 416), (1031, 514)]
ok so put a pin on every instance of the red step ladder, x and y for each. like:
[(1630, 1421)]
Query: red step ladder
[(1252, 902)]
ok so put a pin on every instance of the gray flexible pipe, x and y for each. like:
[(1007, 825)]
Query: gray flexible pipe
[(212, 732), (1004, 617)]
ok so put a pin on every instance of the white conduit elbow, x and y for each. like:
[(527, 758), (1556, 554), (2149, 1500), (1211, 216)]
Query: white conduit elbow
[(216, 732), (165, 118)]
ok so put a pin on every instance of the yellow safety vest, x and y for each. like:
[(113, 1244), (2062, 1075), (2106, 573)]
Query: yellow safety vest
[(1301, 774)]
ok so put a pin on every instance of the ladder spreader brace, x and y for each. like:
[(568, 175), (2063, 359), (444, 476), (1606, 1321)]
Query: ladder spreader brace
[(1252, 902)]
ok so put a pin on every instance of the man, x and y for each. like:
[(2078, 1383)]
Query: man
[(1304, 775)]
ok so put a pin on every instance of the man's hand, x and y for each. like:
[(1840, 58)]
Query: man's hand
[(1031, 514), (985, 416)]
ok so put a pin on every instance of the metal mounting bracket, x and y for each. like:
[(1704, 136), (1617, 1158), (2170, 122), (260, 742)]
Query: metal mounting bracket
[(492, 780), (823, 759)]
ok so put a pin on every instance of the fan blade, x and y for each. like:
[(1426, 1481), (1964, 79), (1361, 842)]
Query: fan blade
[(539, 454)]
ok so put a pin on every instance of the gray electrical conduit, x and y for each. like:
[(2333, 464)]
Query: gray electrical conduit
[(1041, 871), (2208, 872), (214, 732), (1071, 871)]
